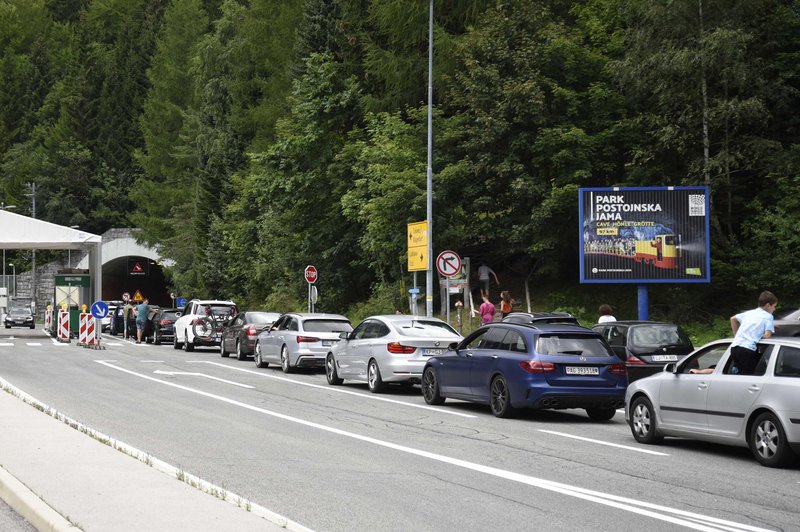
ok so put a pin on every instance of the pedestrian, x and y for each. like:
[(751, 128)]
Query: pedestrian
[(483, 276), (127, 311), (486, 310), (605, 314), (506, 303), (748, 329), (141, 319)]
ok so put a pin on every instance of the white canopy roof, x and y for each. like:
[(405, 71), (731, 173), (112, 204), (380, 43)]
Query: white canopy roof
[(23, 232)]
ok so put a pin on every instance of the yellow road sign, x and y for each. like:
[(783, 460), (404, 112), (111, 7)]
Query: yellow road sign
[(417, 246)]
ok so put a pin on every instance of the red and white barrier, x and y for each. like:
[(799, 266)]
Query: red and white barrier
[(48, 321), (63, 326), (87, 331)]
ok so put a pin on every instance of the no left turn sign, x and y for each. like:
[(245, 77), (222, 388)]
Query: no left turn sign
[(448, 263)]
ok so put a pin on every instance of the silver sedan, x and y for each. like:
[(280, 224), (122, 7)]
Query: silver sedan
[(705, 397), (391, 348), (299, 340)]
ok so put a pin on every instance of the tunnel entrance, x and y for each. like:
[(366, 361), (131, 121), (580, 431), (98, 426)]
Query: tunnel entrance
[(132, 273)]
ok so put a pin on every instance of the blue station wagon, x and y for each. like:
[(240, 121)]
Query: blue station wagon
[(509, 366)]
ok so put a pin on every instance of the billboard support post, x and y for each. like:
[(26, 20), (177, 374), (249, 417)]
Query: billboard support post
[(643, 302)]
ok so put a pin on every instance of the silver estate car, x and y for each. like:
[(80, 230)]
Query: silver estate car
[(299, 340), (391, 348), (760, 411)]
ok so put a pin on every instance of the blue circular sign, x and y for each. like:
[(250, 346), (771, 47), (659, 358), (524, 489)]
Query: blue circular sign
[(99, 309)]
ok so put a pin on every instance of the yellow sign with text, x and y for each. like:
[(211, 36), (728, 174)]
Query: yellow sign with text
[(417, 246)]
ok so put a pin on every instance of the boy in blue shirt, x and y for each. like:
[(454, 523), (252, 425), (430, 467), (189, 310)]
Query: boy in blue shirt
[(749, 328)]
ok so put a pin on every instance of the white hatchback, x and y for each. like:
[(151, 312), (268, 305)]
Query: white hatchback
[(704, 397)]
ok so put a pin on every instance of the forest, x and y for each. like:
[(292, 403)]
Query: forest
[(249, 138)]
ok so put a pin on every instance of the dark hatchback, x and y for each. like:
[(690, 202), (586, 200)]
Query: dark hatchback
[(161, 325), (645, 346), (541, 317), (241, 332), (510, 366)]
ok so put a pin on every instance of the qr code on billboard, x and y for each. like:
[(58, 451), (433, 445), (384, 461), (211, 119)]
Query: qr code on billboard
[(697, 204)]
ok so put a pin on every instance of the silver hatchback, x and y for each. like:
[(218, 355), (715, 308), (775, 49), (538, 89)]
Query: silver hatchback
[(704, 397), (299, 340), (391, 348)]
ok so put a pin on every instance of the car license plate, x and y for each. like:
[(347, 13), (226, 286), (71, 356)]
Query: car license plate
[(327, 342), (665, 358), (584, 370), (432, 352)]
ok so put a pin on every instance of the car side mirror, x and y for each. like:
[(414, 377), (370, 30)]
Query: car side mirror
[(453, 346), (344, 335), (671, 367)]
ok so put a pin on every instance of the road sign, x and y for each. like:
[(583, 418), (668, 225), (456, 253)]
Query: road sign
[(126, 296), (99, 309), (137, 297), (180, 302), (448, 263), (417, 246), (311, 274), (413, 290)]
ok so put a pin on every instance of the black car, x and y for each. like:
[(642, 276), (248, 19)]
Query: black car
[(645, 346), (787, 322), (529, 318), (161, 325), (19, 317), (240, 333)]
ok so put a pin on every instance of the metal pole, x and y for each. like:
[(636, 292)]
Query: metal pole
[(447, 298), (429, 280), (33, 255)]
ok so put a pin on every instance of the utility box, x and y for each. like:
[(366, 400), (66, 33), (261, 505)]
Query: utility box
[(73, 290)]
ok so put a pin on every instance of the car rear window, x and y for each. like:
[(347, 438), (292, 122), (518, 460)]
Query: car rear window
[(259, 317), (173, 315), (658, 336), (788, 363), (425, 329), (572, 344), (332, 326), (221, 310)]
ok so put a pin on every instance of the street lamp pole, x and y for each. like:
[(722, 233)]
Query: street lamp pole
[(32, 185), (4, 207), (14, 277), (429, 278)]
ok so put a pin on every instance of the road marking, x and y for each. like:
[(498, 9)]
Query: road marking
[(333, 389), (34, 344), (190, 374), (656, 511), (158, 361), (7, 344), (646, 451), (113, 344)]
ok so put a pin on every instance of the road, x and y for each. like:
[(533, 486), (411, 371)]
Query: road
[(340, 458)]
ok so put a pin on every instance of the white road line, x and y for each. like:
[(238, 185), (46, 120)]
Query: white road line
[(646, 451), (34, 344), (662, 513), (158, 361), (333, 389), (113, 344), (6, 344), (161, 372)]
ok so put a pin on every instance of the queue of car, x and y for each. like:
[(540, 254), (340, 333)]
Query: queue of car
[(529, 360)]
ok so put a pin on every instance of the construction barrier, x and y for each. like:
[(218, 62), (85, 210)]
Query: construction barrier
[(63, 326), (48, 322)]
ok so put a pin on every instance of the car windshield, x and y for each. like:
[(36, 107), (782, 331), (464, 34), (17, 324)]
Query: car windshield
[(569, 344), (425, 328), (19, 310), (658, 335), (331, 326)]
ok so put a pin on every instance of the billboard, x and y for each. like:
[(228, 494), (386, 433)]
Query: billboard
[(644, 235)]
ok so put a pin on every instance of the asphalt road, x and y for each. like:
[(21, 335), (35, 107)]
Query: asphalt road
[(11, 521), (340, 458)]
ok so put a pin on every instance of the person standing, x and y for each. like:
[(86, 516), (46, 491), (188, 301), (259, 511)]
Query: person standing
[(127, 311), (486, 311), (749, 328), (605, 314), (142, 312), (483, 276), (506, 303)]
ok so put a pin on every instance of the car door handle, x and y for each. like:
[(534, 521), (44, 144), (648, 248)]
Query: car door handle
[(753, 388), (494, 356), (469, 355), (702, 386)]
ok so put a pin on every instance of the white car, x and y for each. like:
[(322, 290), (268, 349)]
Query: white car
[(760, 411), (299, 340), (392, 348), (201, 323)]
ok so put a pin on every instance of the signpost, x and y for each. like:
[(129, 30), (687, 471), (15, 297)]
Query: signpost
[(448, 263), (311, 276)]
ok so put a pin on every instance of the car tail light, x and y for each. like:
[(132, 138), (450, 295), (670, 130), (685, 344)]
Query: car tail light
[(398, 349), (251, 331), (633, 360), (618, 369), (535, 366), (196, 320), (166, 322), (312, 339)]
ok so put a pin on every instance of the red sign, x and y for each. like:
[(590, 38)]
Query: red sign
[(311, 274), (448, 263)]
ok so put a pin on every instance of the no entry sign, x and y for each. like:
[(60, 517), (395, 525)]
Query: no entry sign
[(448, 263), (311, 274)]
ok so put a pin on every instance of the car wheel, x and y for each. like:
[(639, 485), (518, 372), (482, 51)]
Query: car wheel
[(240, 355), (330, 371), (188, 346), (601, 414), (33, 326), (430, 388), (257, 357), (285, 366), (175, 343), (643, 421), (768, 441), (156, 339), (500, 398), (374, 380)]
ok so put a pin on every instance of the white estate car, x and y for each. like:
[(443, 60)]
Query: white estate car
[(719, 404), (200, 325)]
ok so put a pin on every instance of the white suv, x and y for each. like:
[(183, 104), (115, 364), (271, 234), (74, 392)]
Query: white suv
[(201, 323)]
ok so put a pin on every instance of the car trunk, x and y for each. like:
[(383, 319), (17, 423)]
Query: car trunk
[(579, 361)]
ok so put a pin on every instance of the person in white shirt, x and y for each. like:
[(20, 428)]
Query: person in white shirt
[(483, 276), (605, 314)]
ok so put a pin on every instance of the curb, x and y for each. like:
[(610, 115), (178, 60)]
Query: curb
[(26, 503)]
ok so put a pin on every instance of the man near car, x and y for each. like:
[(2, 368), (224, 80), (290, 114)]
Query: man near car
[(127, 313), (749, 328), (141, 319)]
